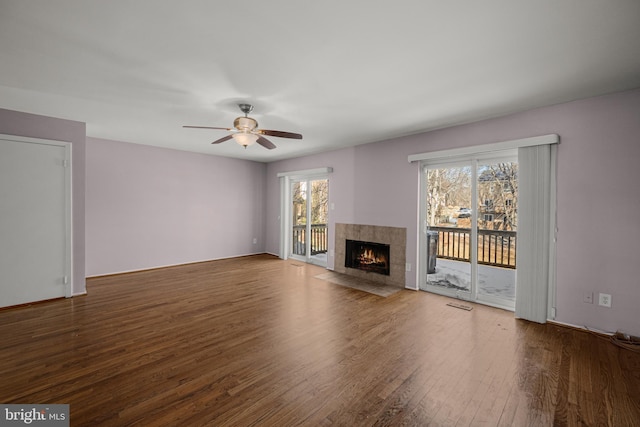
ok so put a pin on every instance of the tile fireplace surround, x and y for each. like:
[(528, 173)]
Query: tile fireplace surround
[(395, 237)]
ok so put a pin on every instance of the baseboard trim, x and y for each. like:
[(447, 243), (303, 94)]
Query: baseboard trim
[(582, 328), (28, 304), (160, 267)]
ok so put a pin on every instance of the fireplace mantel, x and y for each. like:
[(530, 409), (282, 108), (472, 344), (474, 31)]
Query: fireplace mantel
[(395, 237)]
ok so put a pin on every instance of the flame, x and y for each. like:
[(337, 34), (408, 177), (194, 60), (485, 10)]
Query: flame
[(369, 256)]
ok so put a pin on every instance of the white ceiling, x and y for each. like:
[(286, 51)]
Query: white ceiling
[(341, 73)]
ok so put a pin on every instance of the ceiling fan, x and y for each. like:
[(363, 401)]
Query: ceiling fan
[(245, 131)]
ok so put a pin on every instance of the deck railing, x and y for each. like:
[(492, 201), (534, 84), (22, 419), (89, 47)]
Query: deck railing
[(319, 241), (495, 247)]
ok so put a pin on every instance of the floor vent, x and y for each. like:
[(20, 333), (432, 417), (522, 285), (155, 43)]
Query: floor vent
[(460, 306)]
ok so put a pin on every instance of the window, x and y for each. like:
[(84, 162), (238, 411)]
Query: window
[(488, 217)]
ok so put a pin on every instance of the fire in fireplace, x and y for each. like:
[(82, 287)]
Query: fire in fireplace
[(367, 256)]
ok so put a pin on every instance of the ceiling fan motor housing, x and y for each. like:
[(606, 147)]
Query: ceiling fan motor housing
[(245, 124)]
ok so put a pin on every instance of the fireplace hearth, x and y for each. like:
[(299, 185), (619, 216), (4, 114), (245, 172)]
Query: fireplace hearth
[(367, 256)]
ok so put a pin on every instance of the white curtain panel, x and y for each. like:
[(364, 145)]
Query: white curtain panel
[(534, 231)]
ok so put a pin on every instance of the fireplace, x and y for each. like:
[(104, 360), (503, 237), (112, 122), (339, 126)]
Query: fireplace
[(367, 256), (395, 240)]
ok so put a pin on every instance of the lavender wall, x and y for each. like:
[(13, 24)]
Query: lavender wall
[(35, 126), (598, 202), (149, 207)]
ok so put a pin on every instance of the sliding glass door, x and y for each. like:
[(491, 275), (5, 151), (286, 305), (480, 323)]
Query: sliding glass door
[(469, 241), (497, 226), (309, 209), (449, 216)]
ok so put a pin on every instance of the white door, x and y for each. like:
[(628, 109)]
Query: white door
[(35, 220)]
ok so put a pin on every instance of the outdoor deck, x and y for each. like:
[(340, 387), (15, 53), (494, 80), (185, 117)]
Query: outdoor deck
[(493, 281)]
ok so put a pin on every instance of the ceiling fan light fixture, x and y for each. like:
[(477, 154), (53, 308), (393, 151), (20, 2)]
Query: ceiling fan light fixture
[(245, 139), (246, 131)]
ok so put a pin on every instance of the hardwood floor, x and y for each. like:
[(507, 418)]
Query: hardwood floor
[(260, 341)]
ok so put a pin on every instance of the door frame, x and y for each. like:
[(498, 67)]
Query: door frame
[(286, 178), (472, 161), (68, 202), (308, 256)]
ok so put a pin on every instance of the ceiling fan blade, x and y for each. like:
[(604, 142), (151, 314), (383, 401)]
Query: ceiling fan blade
[(279, 133), (223, 139), (205, 127), (266, 143)]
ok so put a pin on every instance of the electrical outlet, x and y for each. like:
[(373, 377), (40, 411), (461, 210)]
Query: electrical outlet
[(407, 267), (604, 300), (588, 297), (255, 241)]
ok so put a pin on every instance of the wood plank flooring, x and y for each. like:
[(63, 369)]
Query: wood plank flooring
[(260, 341)]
